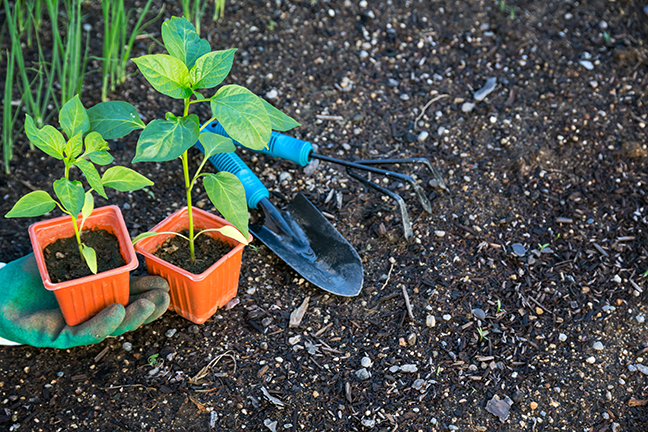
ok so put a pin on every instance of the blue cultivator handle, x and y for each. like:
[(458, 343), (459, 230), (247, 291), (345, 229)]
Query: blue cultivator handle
[(255, 191), (280, 145)]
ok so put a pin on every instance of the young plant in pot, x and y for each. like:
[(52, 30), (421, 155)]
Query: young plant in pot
[(85, 257), (184, 248)]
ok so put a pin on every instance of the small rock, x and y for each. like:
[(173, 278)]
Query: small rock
[(453, 427), (593, 84), (587, 64), (518, 249), (467, 107), (591, 360), (617, 279), (363, 54), (232, 303), (272, 425), (294, 340), (394, 369), (170, 333), (517, 396), (272, 94), (366, 362), (640, 319), (87, 27), (568, 16), (285, 176), (488, 88), (562, 337), (363, 374), (603, 25), (127, 346), (391, 82), (411, 339), (404, 97), (439, 233), (368, 423), (479, 314), (499, 407), (423, 136), (430, 321), (598, 346), (447, 317), (409, 368), (641, 368), (533, 405), (418, 384)]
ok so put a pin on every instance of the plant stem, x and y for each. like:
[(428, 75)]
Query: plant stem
[(188, 187), (77, 234)]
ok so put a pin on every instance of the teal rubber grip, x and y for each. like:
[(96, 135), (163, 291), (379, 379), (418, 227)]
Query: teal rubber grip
[(280, 145), (255, 191)]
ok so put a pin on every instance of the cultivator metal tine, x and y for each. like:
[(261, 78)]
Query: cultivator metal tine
[(435, 173), (407, 224), (425, 202)]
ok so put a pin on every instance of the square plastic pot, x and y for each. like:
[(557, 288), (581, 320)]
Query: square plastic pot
[(195, 297), (81, 299)]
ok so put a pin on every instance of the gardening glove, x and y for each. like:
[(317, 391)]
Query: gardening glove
[(29, 314)]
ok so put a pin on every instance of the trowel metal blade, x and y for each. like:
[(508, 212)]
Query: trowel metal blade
[(317, 251)]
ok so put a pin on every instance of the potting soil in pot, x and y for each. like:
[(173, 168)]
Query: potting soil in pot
[(63, 259), (175, 250)]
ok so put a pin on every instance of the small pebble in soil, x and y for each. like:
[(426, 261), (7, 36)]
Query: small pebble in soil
[(481, 94), (562, 337), (533, 405), (617, 279), (598, 346), (127, 346), (587, 64), (363, 54), (467, 107), (518, 249), (170, 333), (272, 94), (368, 423), (409, 368), (363, 374), (430, 321), (640, 319), (423, 136), (447, 317), (479, 313), (591, 360), (411, 339), (418, 384), (439, 233), (366, 362)]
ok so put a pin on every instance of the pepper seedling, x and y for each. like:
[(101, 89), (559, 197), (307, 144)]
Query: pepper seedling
[(83, 149), (189, 67)]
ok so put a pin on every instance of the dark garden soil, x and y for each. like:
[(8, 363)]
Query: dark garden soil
[(208, 251), (62, 257), (526, 283)]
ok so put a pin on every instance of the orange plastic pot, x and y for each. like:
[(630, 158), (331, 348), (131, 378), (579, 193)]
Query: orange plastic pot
[(195, 297), (81, 299)]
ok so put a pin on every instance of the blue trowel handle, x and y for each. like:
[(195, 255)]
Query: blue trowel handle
[(280, 145), (255, 191)]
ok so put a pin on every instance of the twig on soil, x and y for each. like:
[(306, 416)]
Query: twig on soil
[(322, 330), (427, 105), (329, 117), (101, 354), (407, 303), (204, 371), (128, 385), (388, 276)]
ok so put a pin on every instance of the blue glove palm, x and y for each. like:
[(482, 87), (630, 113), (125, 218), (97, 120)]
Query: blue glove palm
[(29, 314)]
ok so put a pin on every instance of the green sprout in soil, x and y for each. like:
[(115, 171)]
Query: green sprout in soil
[(607, 38), (645, 274), (189, 67), (153, 360), (543, 246), (73, 199), (499, 307), (482, 334), (271, 25)]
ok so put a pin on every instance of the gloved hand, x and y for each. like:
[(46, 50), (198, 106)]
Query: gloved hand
[(29, 314)]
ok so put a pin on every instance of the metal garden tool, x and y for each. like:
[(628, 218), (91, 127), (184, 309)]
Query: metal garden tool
[(300, 235), (302, 152)]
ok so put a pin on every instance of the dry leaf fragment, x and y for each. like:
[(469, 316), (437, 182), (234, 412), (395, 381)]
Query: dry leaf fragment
[(298, 314)]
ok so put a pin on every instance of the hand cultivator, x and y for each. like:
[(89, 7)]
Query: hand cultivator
[(302, 153)]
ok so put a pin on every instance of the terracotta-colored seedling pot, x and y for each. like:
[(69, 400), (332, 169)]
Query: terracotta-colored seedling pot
[(195, 297), (81, 299)]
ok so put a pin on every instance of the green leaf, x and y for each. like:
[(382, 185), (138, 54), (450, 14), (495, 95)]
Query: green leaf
[(73, 117), (114, 119), (91, 174), (71, 195), (280, 121), (182, 41), (242, 115), (229, 231), (212, 68), (88, 205), (166, 74), (90, 257), (74, 146), (47, 139), (226, 192), (97, 149), (146, 235), (33, 204), (124, 179), (214, 143), (164, 140)]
